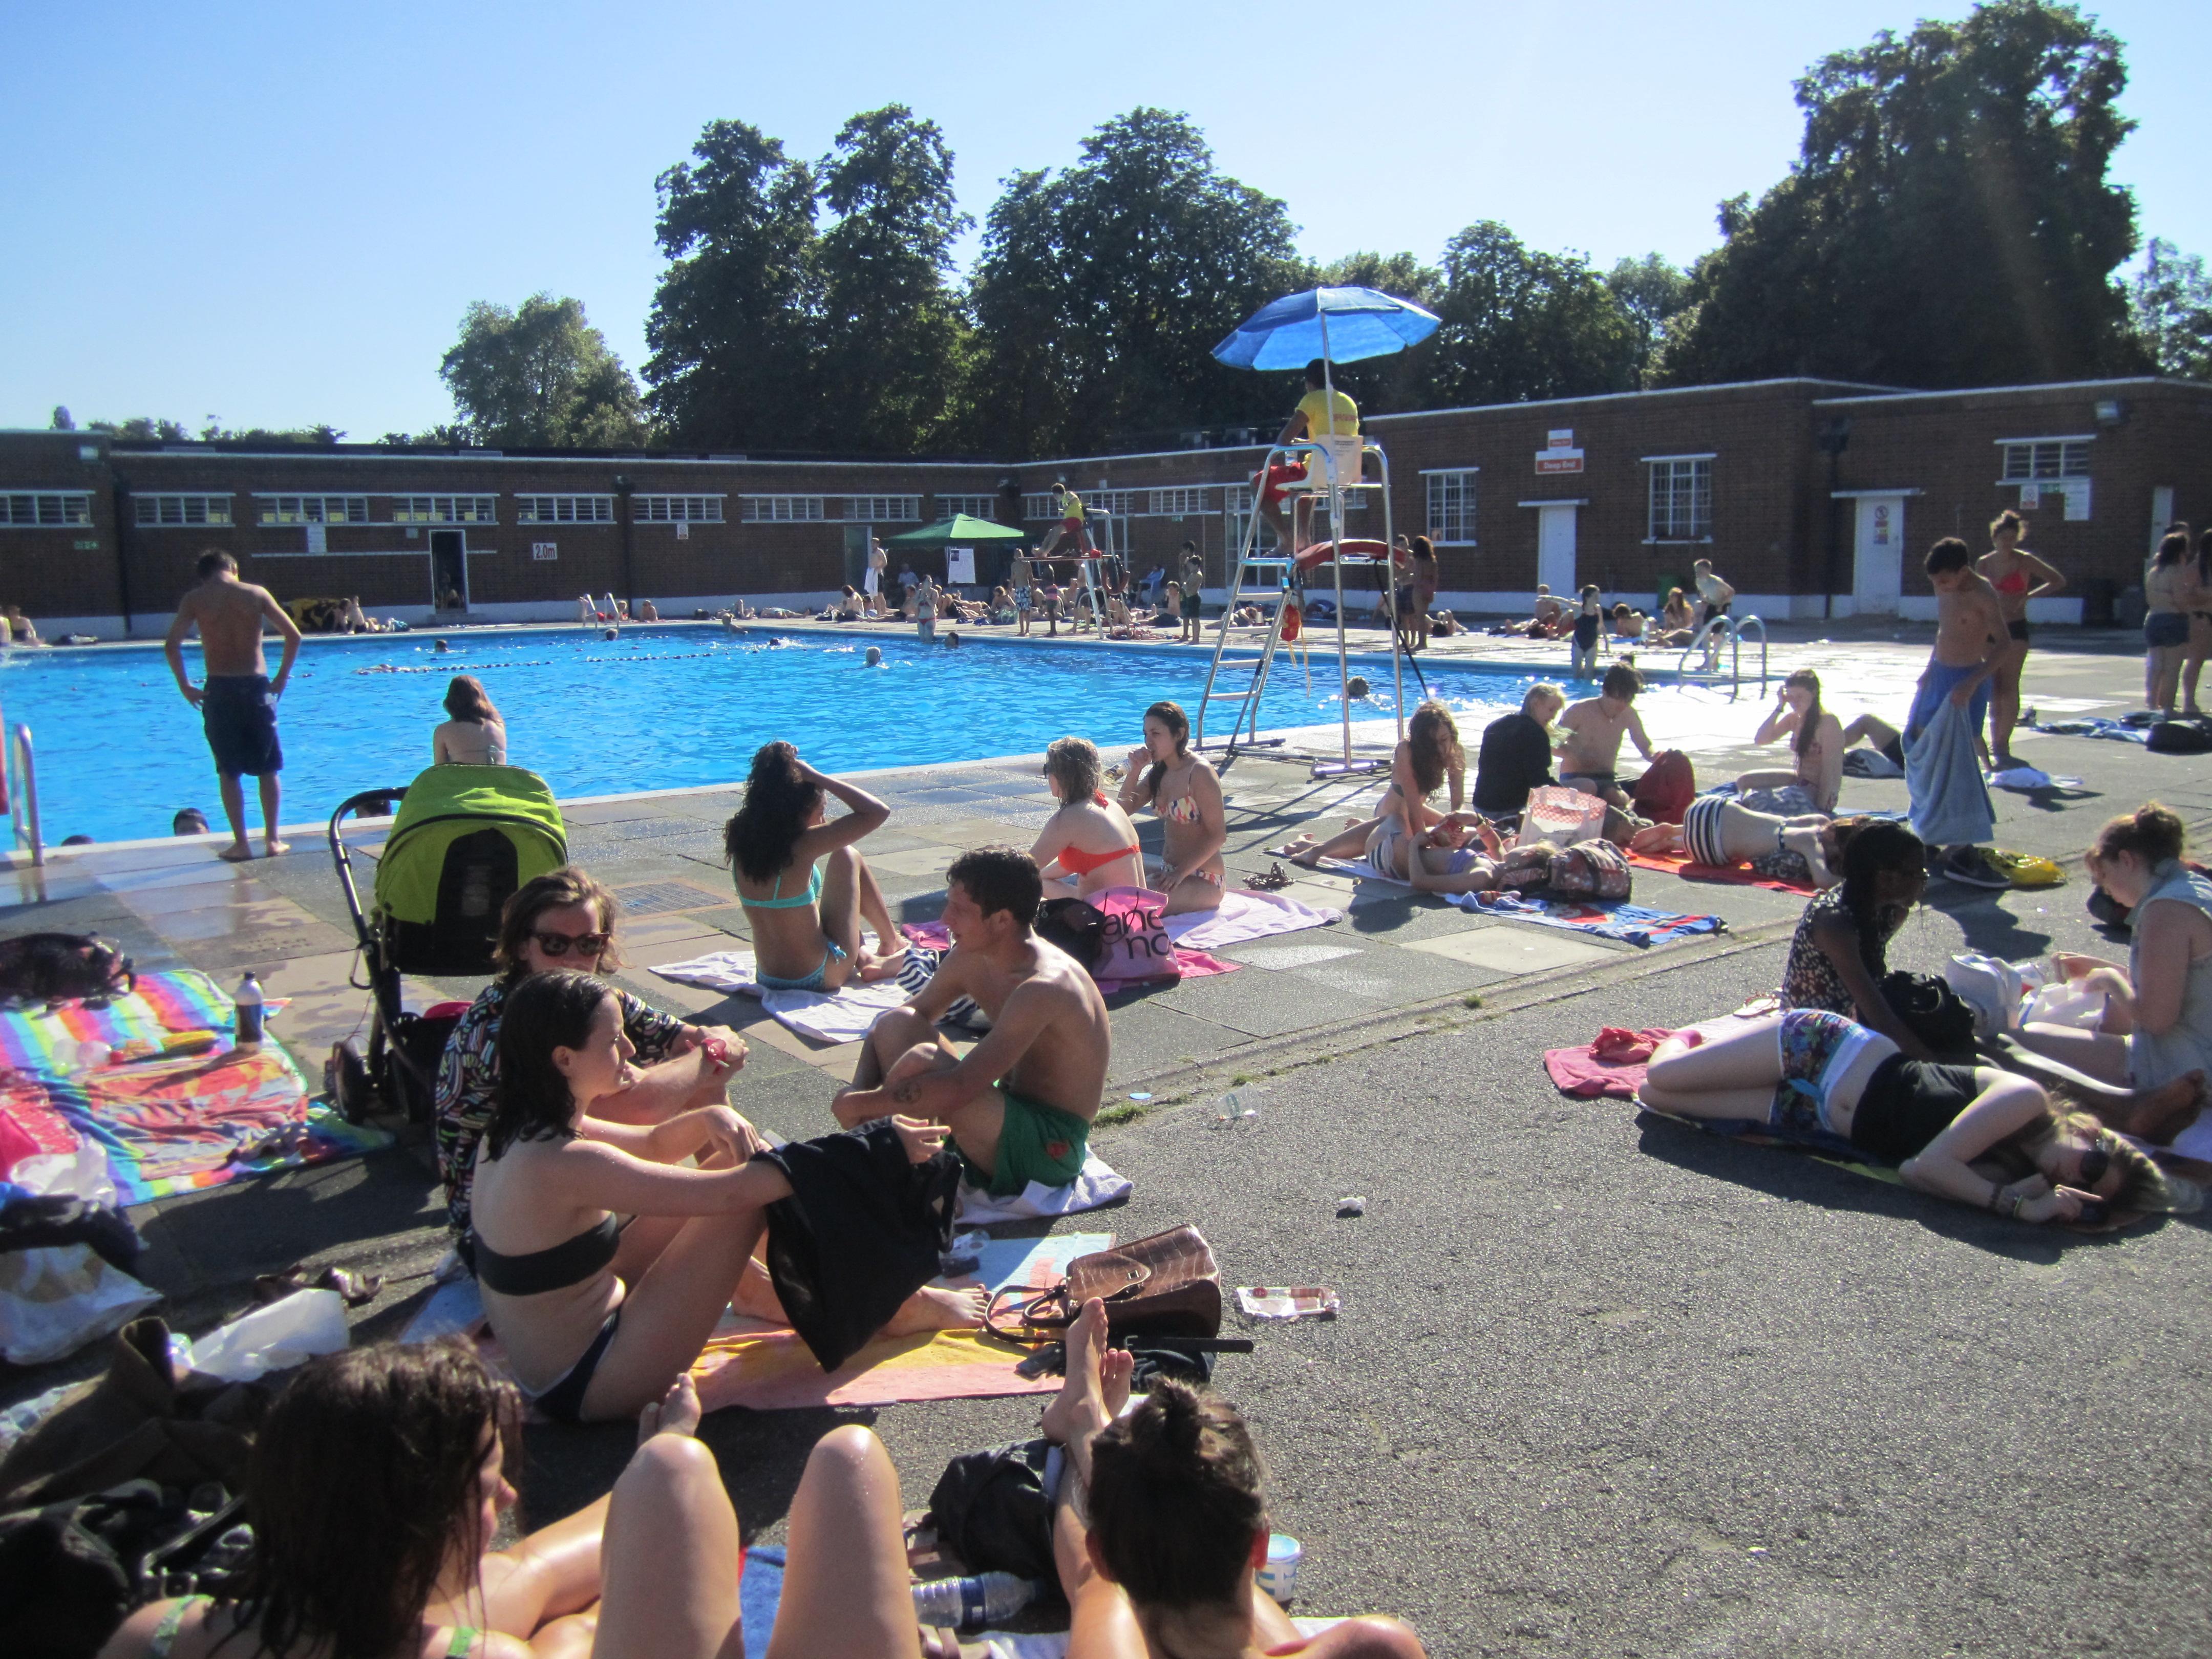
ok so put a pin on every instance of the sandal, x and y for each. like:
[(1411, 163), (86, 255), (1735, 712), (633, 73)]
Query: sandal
[(1272, 880)]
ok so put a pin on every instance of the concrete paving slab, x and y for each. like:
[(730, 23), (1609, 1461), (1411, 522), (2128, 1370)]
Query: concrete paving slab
[(1507, 949), (1275, 957)]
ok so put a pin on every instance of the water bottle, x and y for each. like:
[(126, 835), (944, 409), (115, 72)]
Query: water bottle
[(248, 999), (973, 1602)]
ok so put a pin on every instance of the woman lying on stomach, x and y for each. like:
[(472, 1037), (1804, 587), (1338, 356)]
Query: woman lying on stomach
[(598, 1316), (377, 1482), (1970, 1133)]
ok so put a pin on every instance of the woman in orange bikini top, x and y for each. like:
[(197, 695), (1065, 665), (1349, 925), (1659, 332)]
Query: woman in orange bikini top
[(1089, 839)]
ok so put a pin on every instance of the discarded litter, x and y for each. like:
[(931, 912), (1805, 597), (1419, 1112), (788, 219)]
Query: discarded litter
[(1235, 1108), (1302, 1302), (1140, 1094), (1354, 1204)]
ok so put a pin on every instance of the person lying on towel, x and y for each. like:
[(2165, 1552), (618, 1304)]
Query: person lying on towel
[(1020, 1105)]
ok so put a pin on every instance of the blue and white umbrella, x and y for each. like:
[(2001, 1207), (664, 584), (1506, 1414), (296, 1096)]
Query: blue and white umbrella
[(1336, 324)]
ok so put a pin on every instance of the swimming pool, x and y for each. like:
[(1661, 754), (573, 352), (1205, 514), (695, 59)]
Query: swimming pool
[(119, 752)]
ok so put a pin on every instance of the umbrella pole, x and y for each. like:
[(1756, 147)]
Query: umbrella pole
[(1328, 457)]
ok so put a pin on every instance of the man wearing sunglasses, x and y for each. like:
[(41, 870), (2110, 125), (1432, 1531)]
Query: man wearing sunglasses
[(566, 920)]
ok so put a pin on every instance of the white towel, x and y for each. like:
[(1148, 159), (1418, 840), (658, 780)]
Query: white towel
[(1096, 1184), (1246, 915), (843, 1016)]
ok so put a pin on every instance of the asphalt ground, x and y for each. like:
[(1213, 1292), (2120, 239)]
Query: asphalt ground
[(1601, 1384)]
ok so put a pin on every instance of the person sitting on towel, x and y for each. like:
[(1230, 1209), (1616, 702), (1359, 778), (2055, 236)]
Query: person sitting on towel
[(1020, 1104), (1405, 825), (1090, 842), (1517, 751)]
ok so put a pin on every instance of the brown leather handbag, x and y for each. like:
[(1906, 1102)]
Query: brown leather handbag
[(1165, 1286)]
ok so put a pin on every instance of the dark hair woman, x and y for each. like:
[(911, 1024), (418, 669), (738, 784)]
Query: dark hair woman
[(1423, 580), (554, 921), (807, 921), (2200, 623), (378, 1479), (2169, 592), (1185, 790), (473, 734), (599, 1318), (2018, 575), (1160, 1527), (1970, 1133), (2157, 1022), (1816, 740), (1839, 954)]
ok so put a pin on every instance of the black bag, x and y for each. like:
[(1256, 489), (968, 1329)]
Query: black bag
[(71, 1571), (991, 1510), (60, 967), (2179, 737), (1933, 1011), (1077, 926)]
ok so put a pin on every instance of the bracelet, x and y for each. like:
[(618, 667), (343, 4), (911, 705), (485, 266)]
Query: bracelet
[(1997, 1197), (2018, 1199)]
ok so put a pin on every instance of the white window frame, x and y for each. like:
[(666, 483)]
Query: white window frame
[(778, 509), (564, 509), (883, 509), (1179, 502), (2044, 460), (1450, 499), (976, 506), (445, 509), (1113, 503), (174, 509), (1044, 504), (1697, 470), (280, 510), (45, 509)]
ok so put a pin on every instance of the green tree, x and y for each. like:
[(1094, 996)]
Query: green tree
[(2170, 305), (891, 332), (733, 322), (145, 429), (1519, 323), (1653, 291), (1113, 281), (540, 376), (1948, 221)]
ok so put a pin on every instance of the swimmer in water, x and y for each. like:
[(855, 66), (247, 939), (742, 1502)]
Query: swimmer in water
[(952, 642), (875, 657), (439, 645)]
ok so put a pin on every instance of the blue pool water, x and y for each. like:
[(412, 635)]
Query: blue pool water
[(119, 751)]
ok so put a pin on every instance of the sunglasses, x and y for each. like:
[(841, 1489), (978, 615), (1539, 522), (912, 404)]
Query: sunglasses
[(557, 945), (2094, 1162)]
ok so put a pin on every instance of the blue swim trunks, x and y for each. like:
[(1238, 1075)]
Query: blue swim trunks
[(1936, 684)]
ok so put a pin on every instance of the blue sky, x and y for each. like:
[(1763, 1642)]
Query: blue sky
[(277, 214)]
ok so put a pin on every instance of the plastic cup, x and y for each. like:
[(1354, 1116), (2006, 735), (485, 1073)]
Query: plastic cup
[(1279, 1578)]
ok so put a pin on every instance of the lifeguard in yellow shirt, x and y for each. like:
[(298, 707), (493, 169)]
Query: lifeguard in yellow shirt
[(1323, 412), (1071, 527)]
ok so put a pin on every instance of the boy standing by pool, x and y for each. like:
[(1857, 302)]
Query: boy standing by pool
[(1021, 1105), (238, 703), (1593, 729)]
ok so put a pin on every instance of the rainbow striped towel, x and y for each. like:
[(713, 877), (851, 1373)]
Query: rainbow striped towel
[(170, 1121)]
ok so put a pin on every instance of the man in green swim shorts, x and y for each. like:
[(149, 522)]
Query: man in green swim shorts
[(1020, 1104)]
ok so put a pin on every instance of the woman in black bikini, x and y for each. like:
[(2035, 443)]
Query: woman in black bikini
[(598, 1318), (378, 1479), (2018, 576), (1970, 1133)]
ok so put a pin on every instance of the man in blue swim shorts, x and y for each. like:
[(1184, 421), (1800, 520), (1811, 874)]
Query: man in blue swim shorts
[(1021, 1104), (237, 702)]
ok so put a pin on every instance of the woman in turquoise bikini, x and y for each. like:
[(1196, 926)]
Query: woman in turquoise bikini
[(376, 1485), (807, 937)]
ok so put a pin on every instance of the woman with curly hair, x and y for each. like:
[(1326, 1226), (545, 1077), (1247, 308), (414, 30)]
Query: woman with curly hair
[(1405, 825), (806, 919), (377, 1483)]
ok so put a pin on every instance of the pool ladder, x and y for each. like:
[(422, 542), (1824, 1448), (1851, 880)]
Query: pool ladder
[(1709, 639), (19, 795)]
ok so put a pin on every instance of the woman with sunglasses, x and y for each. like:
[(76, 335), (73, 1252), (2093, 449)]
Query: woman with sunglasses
[(563, 921), (1970, 1133)]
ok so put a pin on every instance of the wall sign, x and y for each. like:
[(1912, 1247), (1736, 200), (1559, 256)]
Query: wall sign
[(545, 552), (684, 529), (2074, 492), (1558, 454), (1882, 526), (318, 539)]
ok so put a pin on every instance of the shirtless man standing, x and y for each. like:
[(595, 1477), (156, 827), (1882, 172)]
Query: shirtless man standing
[(238, 704), (1020, 1105), (1970, 639), (1592, 729)]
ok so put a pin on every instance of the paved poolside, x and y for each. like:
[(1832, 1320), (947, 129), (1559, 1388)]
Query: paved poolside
[(1381, 1042)]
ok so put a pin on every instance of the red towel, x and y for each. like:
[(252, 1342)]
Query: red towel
[(1583, 1071), (1732, 875)]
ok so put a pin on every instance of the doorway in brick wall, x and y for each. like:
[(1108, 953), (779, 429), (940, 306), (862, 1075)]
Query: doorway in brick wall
[(449, 569), (1555, 547), (1878, 556)]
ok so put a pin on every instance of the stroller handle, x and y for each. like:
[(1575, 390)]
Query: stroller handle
[(367, 803)]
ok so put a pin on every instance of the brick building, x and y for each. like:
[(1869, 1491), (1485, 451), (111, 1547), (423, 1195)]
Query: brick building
[(1805, 494)]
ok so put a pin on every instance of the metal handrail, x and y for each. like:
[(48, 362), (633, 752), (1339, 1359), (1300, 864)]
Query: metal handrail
[(23, 796), (1730, 628)]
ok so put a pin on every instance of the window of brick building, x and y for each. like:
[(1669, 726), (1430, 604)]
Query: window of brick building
[(564, 509), (444, 509), (2030, 458), (172, 509), (1682, 498), (1450, 519), (46, 508), (1179, 503), (311, 509), (883, 509), (774, 509), (976, 506), (1044, 505)]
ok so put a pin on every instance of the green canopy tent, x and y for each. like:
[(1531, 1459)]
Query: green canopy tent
[(960, 531)]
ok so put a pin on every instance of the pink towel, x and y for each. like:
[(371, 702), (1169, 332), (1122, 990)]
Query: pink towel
[(1580, 1072)]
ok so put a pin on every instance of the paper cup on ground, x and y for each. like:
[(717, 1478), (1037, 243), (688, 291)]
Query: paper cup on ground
[(1279, 1578)]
